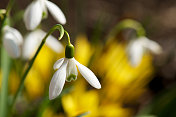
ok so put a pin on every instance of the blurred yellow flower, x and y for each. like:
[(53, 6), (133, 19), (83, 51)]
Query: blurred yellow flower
[(80, 101), (50, 113), (120, 81), (83, 49), (34, 85), (114, 110), (44, 62), (91, 101)]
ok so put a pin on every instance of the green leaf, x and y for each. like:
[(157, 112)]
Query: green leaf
[(5, 65)]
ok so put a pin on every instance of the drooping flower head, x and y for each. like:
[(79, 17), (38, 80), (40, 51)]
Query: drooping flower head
[(137, 48), (67, 70), (34, 13), (12, 41)]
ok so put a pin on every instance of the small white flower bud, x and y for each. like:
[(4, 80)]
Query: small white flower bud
[(12, 41)]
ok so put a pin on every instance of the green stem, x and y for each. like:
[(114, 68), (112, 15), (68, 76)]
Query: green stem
[(68, 38), (128, 23), (8, 9), (9, 6), (56, 27), (5, 63)]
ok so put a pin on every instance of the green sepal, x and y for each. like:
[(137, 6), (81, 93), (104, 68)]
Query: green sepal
[(69, 51), (71, 77)]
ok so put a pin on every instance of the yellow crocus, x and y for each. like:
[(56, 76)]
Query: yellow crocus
[(80, 101), (83, 49), (34, 85)]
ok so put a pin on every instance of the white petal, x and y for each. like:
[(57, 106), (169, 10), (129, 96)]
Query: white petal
[(135, 52), (71, 70), (88, 75), (11, 46), (152, 46), (12, 41), (56, 12), (15, 32), (33, 15), (51, 42), (58, 63), (58, 81), (31, 43)]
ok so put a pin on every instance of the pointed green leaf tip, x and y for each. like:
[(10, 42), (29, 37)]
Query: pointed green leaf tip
[(69, 51)]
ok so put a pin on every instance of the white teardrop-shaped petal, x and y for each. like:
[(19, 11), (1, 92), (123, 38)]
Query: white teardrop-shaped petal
[(43, 5), (33, 15), (58, 81), (135, 54), (15, 32), (88, 75), (31, 44), (135, 51), (151, 45), (11, 46), (58, 63), (71, 70), (12, 41), (56, 12)]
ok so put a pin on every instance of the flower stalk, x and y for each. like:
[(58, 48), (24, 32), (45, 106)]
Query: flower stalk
[(7, 12), (125, 24)]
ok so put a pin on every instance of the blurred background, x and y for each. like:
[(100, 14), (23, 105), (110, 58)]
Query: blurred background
[(147, 90)]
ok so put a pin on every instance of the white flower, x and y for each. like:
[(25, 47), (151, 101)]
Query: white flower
[(12, 41), (33, 41), (137, 48), (33, 13), (67, 71)]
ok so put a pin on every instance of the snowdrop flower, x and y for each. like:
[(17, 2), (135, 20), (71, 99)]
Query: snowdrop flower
[(67, 70), (33, 40), (137, 48), (33, 13), (12, 41)]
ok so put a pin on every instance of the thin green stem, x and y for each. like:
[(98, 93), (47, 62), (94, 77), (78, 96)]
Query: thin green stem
[(125, 24), (56, 27), (8, 9), (128, 23), (9, 6), (68, 38)]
